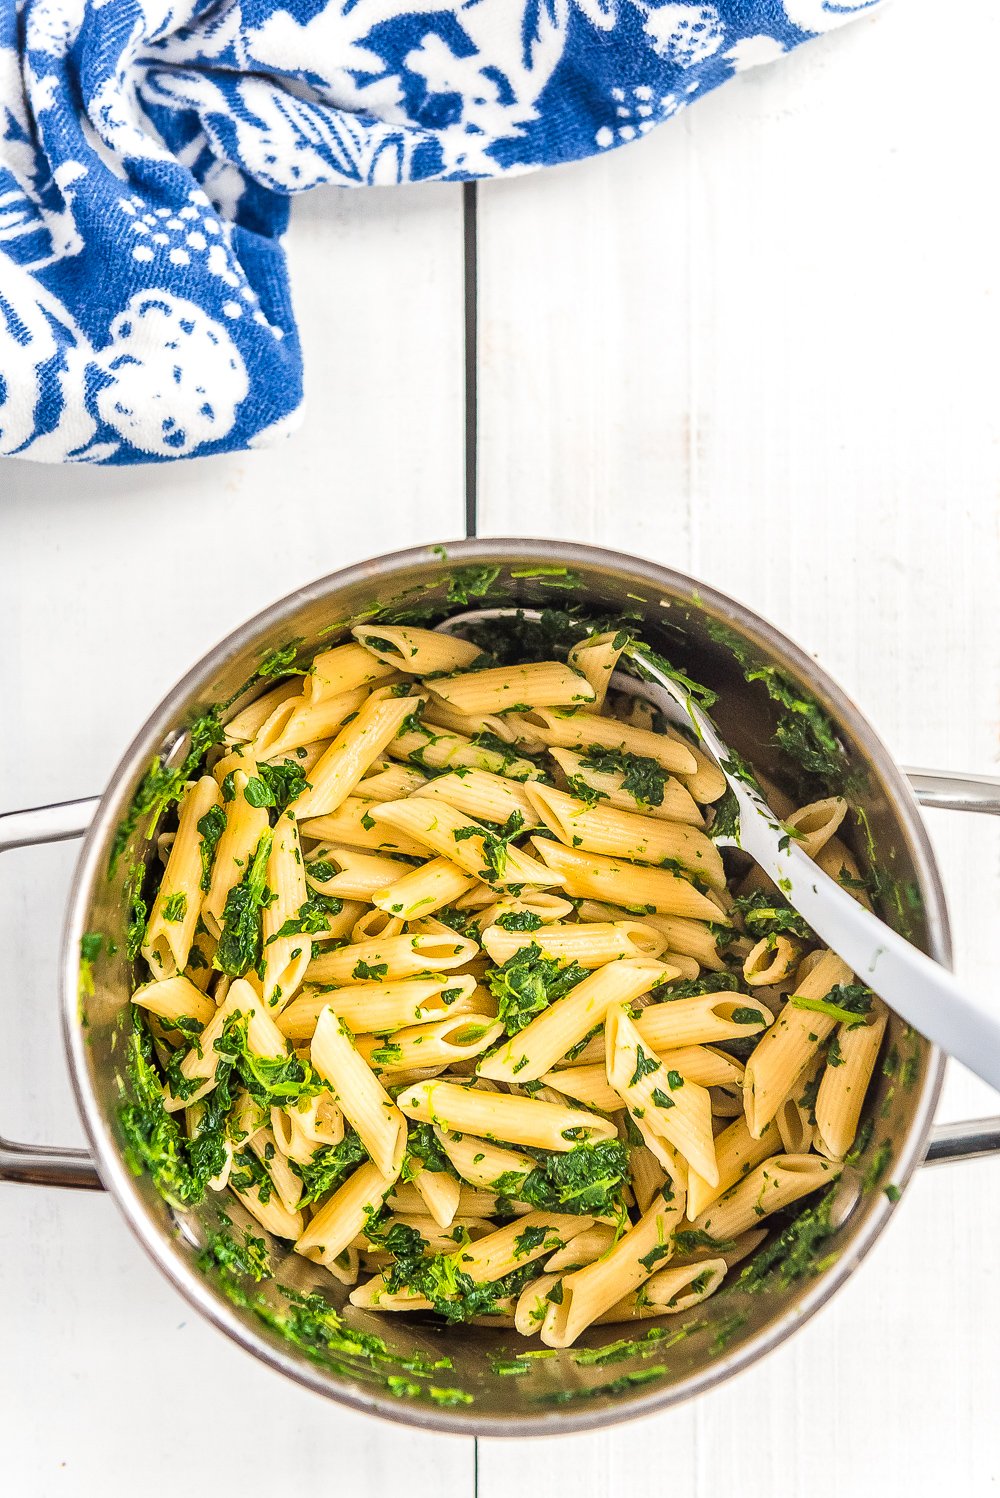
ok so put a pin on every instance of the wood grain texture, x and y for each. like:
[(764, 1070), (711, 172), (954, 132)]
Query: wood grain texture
[(762, 346), (112, 584)]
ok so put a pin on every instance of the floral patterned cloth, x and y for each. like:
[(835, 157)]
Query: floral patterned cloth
[(148, 149)]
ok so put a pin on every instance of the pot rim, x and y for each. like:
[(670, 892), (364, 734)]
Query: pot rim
[(119, 1181)]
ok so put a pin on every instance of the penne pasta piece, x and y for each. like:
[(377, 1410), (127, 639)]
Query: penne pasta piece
[(380, 1007), (353, 824), (707, 783), (789, 1045), (286, 957), (499, 1115), (439, 1193), (843, 1085), (701, 1020), (736, 1154), (478, 793), (772, 960), (343, 669), (300, 721), (593, 876), (431, 750), (451, 834), (533, 1303), (590, 945), (273, 1216), (418, 652), (661, 796), (375, 925), (469, 726), (355, 875), (391, 783), (245, 826), (513, 688), (200, 1065), (817, 823), (592, 1244), (584, 731), (673, 1108), (244, 725), (340, 1219), (733, 1251), (356, 1090), (391, 958), (284, 1180), (460, 1037), (774, 1184), (536, 1049), (480, 1162), (175, 999), (419, 892), (596, 658), (352, 752), (677, 1288), (623, 834), (172, 921), (587, 1293), (588, 1085)]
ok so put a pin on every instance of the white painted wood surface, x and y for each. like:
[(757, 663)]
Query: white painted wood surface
[(112, 584), (761, 346)]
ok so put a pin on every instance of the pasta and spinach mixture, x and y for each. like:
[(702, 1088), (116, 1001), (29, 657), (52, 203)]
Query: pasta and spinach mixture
[(449, 984)]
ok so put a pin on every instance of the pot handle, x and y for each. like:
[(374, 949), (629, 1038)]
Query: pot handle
[(954, 790), (43, 1164), (49, 1165)]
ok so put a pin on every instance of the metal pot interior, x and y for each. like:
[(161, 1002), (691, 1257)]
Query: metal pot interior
[(469, 1379)]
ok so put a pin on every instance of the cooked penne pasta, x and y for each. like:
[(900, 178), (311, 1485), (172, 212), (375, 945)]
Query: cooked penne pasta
[(587, 1293), (623, 834), (677, 1288), (380, 1007), (632, 788), (706, 1019), (674, 1108), (774, 1184), (352, 824), (343, 669), (460, 1037), (845, 1081), (417, 652), (419, 892), (391, 958), (499, 1115), (479, 794), (589, 945), (174, 1000), (790, 1044), (535, 1049), (736, 1154), (454, 993), (352, 752), (432, 750), (592, 876), (481, 1162), (356, 1090), (596, 658), (453, 835), (350, 874), (513, 688), (286, 952)]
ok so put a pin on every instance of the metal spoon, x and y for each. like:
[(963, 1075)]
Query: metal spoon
[(921, 992)]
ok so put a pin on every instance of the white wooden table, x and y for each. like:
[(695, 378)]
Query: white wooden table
[(761, 345)]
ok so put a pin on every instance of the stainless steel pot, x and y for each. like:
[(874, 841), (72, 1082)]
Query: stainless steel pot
[(565, 1391)]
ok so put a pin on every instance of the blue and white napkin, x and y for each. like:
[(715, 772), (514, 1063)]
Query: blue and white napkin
[(148, 149)]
